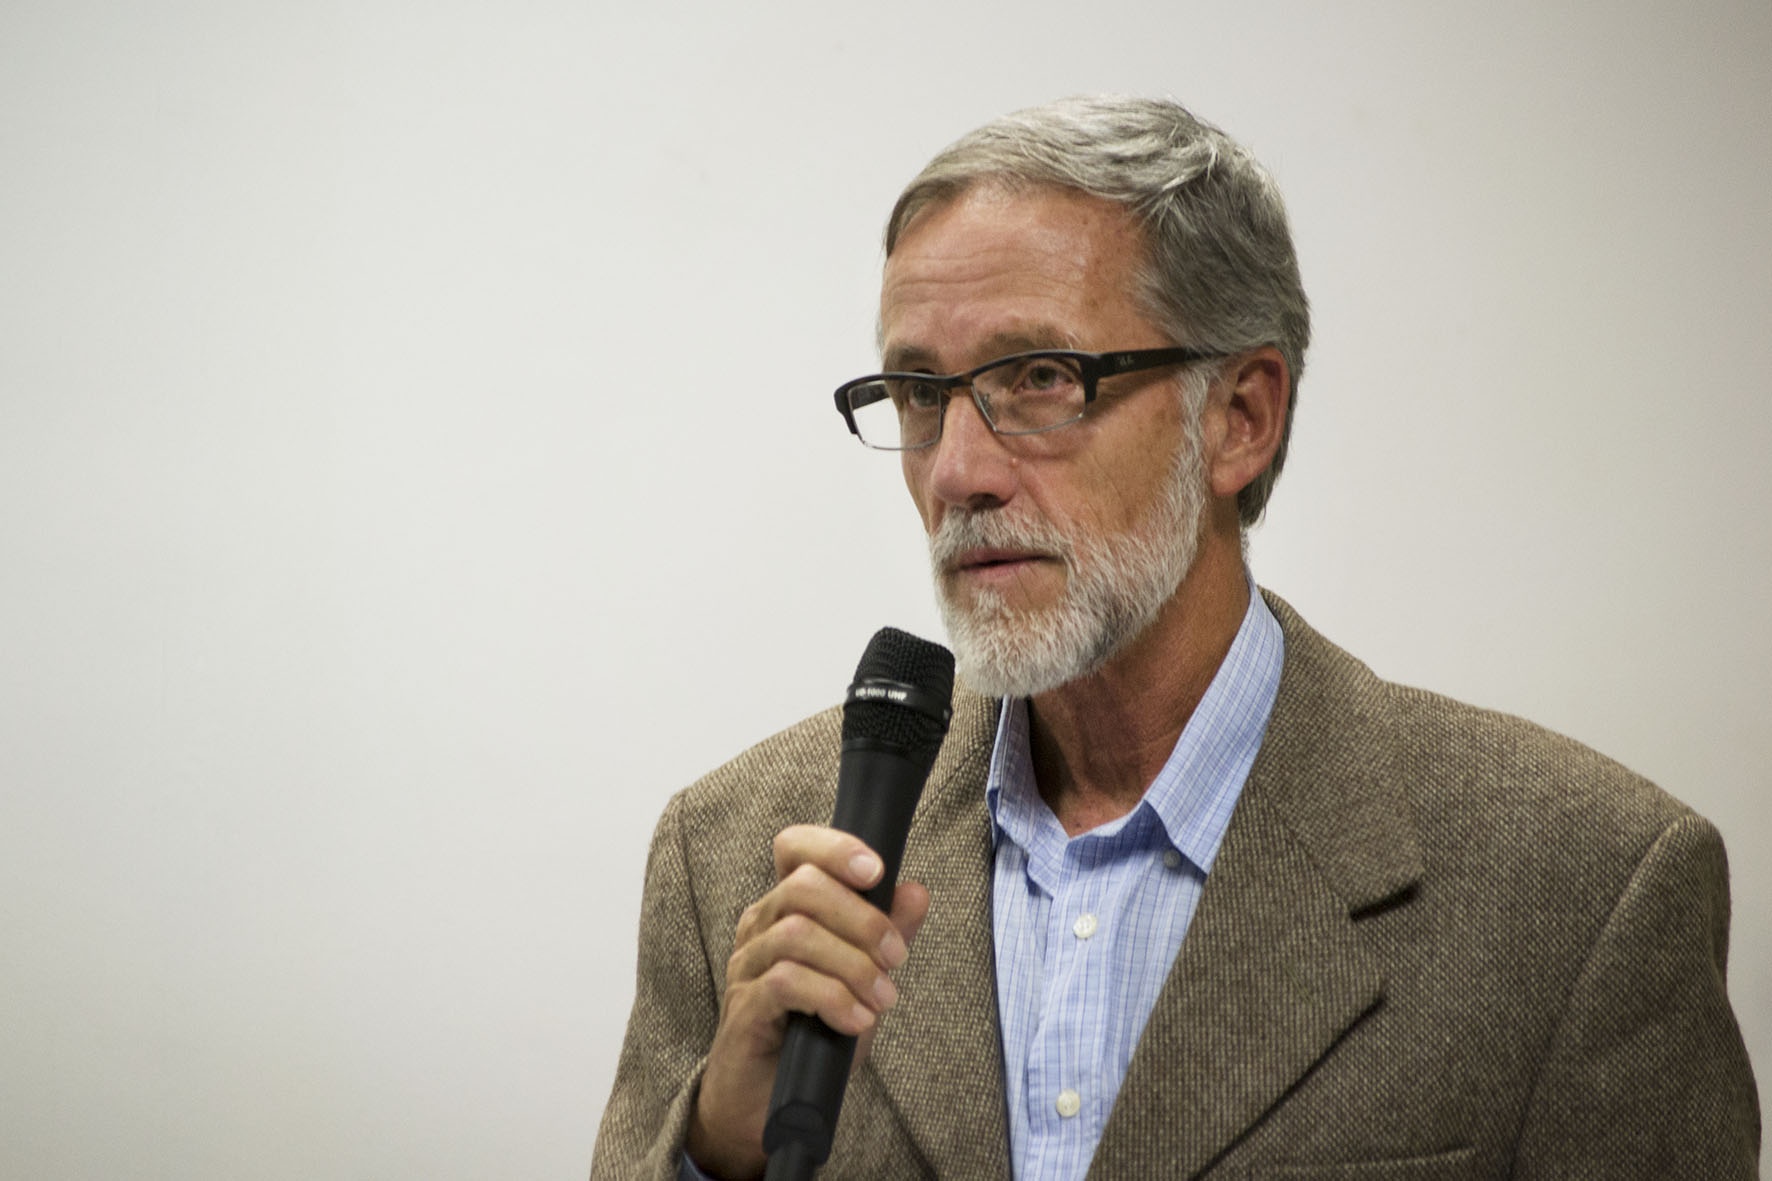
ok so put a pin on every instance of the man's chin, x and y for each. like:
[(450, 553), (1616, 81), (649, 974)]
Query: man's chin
[(1006, 653), (989, 615), (1001, 674)]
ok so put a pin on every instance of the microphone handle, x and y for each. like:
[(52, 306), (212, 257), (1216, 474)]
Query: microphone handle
[(809, 1084), (792, 1162), (877, 791)]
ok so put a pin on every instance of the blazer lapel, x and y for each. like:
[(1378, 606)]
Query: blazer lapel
[(1274, 969), (939, 1053)]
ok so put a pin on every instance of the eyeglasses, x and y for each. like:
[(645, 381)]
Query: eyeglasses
[(1023, 394)]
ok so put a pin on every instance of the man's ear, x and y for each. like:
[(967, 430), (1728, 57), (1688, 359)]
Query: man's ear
[(1246, 412)]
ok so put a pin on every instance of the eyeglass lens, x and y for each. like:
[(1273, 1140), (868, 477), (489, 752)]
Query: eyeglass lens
[(1019, 395)]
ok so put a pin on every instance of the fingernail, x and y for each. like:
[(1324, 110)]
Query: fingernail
[(885, 995), (865, 867), (862, 1016), (893, 950)]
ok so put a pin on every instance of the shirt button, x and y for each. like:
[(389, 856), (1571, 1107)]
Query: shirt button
[(1069, 1103), (1082, 928), (1172, 859)]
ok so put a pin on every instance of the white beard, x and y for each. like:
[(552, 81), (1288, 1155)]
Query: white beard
[(1114, 587)]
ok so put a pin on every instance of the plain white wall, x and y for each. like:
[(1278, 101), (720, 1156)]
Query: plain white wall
[(416, 461)]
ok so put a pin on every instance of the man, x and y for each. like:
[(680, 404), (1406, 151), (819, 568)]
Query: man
[(1191, 892)]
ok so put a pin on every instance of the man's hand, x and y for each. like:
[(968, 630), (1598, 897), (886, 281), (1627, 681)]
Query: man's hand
[(810, 945)]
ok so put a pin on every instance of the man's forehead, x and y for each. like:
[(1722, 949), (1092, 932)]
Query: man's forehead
[(993, 272), (990, 227)]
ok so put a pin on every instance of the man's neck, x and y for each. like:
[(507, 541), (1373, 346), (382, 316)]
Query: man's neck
[(1098, 742)]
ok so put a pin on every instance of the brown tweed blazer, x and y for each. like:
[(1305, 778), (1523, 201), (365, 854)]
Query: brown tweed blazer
[(1437, 942)]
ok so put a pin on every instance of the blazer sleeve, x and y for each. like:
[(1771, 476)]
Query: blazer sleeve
[(676, 1009), (1647, 1076)]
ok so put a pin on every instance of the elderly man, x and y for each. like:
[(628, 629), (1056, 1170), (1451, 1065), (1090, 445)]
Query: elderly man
[(1190, 893)]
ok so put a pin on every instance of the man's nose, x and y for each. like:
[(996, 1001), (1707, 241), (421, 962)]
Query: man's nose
[(972, 466)]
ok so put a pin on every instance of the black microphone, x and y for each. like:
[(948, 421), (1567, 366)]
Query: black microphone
[(894, 719)]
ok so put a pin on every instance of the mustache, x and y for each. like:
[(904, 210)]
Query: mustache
[(968, 529)]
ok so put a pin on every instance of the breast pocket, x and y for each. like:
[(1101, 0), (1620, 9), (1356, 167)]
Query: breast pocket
[(1460, 1164)]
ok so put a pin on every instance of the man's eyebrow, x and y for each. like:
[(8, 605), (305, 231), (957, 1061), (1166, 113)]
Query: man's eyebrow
[(907, 358)]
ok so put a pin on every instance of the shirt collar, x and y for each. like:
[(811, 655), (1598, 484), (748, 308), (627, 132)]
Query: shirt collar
[(1197, 787)]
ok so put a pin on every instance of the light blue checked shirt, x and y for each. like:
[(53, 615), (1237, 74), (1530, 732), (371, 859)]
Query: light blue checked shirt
[(1086, 927)]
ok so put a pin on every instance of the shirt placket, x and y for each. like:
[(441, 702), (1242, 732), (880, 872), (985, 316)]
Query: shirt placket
[(1064, 1078)]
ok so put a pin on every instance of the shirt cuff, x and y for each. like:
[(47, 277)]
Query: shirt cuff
[(686, 1170)]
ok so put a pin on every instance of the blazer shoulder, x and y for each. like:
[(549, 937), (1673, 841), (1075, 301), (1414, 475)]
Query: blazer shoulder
[(1474, 774), (1509, 771), (782, 780), (791, 776)]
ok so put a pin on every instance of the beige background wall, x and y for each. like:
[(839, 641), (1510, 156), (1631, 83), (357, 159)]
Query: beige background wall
[(416, 461)]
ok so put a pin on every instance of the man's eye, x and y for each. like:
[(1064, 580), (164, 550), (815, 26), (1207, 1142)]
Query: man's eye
[(917, 395), (1044, 377)]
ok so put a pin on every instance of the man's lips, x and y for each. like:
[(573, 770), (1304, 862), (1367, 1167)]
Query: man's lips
[(989, 562)]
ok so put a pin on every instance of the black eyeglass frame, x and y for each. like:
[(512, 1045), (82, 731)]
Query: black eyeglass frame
[(1091, 368)]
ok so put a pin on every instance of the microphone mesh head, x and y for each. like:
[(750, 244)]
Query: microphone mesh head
[(893, 655)]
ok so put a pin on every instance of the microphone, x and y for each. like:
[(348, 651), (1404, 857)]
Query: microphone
[(894, 719)]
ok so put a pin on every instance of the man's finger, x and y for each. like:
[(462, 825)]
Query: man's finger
[(842, 855)]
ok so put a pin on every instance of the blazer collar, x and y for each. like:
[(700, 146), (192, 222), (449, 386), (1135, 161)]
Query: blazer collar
[(1275, 967)]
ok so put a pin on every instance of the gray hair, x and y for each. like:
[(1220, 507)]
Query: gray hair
[(1221, 274)]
